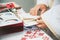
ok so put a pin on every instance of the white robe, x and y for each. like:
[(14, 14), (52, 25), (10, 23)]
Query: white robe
[(52, 20), (52, 16), (49, 3)]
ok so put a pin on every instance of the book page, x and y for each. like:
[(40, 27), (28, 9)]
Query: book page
[(8, 18)]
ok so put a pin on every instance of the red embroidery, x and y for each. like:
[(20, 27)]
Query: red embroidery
[(23, 38), (41, 34)]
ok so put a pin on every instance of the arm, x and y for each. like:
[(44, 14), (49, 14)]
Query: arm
[(41, 4)]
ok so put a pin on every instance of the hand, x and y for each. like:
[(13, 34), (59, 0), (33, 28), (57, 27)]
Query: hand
[(41, 24), (35, 9)]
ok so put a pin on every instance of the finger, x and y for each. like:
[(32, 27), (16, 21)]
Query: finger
[(43, 11), (37, 9), (41, 25), (39, 18), (40, 21), (32, 11)]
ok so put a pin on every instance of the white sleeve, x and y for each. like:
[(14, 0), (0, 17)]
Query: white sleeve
[(52, 20), (46, 2)]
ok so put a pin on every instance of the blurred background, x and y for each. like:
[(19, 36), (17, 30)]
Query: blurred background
[(25, 4)]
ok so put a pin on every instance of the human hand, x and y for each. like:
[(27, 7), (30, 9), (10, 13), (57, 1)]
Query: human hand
[(41, 23), (34, 10)]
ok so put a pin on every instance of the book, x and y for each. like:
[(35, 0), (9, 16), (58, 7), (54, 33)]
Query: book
[(10, 23)]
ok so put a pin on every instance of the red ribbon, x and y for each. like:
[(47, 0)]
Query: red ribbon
[(10, 5)]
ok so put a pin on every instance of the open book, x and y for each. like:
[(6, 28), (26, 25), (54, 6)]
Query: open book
[(8, 18), (16, 19), (17, 12), (28, 19), (9, 23)]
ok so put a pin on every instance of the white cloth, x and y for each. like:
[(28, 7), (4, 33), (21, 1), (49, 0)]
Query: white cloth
[(46, 2), (52, 20), (52, 16), (49, 3)]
